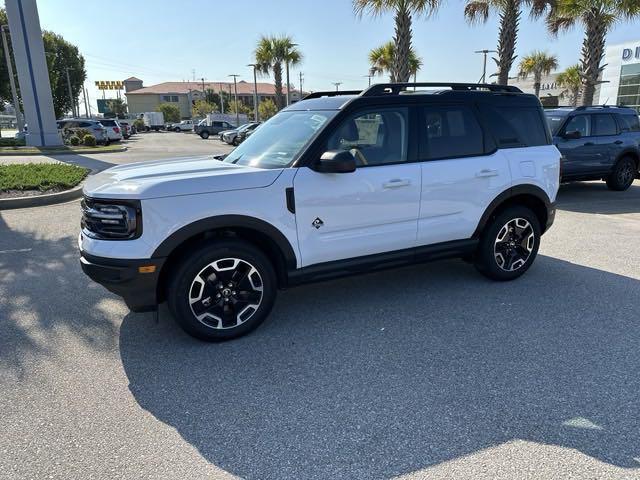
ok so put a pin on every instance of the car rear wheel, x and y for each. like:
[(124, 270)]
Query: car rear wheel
[(222, 290), (204, 135), (623, 174), (509, 244)]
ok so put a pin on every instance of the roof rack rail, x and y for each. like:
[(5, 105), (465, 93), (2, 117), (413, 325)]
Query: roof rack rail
[(332, 93), (397, 88), (584, 107)]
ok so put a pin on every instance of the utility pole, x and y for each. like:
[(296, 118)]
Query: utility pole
[(12, 82), (202, 86), (235, 89), (370, 76), (301, 77), (221, 95), (337, 84), (84, 96), (484, 64), (255, 91), (288, 83), (73, 103)]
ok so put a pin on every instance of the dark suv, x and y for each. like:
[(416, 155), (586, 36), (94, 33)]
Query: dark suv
[(599, 142)]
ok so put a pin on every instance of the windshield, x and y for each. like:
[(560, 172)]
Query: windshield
[(555, 121), (279, 141)]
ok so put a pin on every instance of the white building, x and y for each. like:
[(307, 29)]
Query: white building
[(621, 76)]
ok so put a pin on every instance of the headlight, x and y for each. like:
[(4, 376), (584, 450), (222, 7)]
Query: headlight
[(111, 219)]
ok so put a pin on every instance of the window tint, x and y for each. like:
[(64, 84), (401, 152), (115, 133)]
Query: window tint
[(579, 123), (630, 123), (516, 126), (85, 124), (217, 124), (452, 131), (604, 124), (375, 137)]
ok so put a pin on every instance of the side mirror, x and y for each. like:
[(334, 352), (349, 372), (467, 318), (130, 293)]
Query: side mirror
[(573, 135), (336, 161)]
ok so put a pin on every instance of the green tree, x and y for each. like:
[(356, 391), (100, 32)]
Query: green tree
[(267, 109), (118, 107), (270, 55), (571, 81), (201, 108), (60, 55), (381, 60), (242, 108), (403, 11), (211, 97), (597, 17), (170, 111), (509, 13), (537, 64)]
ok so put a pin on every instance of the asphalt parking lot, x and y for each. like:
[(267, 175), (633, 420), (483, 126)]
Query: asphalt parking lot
[(430, 371)]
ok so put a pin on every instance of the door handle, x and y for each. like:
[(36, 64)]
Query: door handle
[(486, 172), (589, 144), (396, 183), (618, 142)]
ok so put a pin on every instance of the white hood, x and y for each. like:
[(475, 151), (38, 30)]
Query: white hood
[(168, 178)]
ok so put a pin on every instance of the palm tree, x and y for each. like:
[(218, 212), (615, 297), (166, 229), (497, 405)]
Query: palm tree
[(597, 17), (403, 10), (537, 64), (509, 11), (270, 54), (571, 80), (382, 57)]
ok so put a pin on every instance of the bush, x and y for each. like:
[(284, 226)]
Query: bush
[(139, 124), (170, 111), (82, 132), (267, 109), (12, 142), (74, 140), (89, 140)]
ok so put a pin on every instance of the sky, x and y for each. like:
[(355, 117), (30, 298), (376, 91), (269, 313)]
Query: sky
[(162, 40)]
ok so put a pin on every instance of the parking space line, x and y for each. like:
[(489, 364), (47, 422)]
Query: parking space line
[(16, 250)]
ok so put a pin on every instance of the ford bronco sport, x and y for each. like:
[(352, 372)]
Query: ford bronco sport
[(339, 183)]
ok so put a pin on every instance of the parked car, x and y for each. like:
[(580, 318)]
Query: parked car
[(114, 131), (127, 129), (96, 128), (205, 129), (332, 185), (183, 126), (231, 137), (597, 143), (242, 135)]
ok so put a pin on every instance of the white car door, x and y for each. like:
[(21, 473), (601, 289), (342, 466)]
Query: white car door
[(459, 180), (371, 210)]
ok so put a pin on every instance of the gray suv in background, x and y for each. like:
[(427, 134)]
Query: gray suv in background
[(94, 126), (598, 143)]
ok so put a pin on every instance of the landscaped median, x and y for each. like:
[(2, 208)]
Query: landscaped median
[(33, 184), (80, 149)]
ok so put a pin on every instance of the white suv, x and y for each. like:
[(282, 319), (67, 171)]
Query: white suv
[(339, 183)]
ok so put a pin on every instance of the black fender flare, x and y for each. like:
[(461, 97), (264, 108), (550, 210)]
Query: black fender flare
[(183, 234), (511, 192)]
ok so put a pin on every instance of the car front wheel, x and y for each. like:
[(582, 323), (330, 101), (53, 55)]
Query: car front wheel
[(204, 135), (622, 175), (509, 244), (222, 290)]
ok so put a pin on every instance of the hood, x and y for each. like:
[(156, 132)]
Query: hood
[(168, 178)]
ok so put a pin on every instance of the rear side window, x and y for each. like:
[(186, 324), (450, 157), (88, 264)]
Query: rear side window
[(515, 127), (630, 123), (604, 124), (452, 131)]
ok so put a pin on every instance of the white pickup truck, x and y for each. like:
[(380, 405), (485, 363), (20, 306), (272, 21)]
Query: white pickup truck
[(184, 126)]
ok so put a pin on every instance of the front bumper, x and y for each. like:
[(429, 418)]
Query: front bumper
[(125, 278)]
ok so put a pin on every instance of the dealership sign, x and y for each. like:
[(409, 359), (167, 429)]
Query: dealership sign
[(629, 53)]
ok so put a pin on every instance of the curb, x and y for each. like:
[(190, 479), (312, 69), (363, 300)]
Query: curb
[(42, 200), (62, 152)]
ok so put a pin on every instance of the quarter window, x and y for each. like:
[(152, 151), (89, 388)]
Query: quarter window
[(452, 131), (603, 125), (579, 123), (376, 137), (515, 127)]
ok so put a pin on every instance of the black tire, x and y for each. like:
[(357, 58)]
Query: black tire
[(236, 142), (187, 285), (513, 252), (204, 135), (622, 175)]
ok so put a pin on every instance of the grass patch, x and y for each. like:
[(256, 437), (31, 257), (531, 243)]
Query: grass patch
[(40, 176)]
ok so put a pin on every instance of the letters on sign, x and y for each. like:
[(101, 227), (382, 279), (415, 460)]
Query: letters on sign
[(629, 53)]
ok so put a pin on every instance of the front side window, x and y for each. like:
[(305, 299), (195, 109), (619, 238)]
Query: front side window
[(373, 137), (452, 131), (630, 123), (604, 124), (280, 141), (579, 123)]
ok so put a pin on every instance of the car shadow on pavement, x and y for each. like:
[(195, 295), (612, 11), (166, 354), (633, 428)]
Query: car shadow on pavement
[(385, 374), (595, 197), (45, 298)]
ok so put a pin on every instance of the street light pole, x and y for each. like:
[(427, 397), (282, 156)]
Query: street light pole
[(287, 66), (370, 76), (255, 91), (235, 90), (12, 82), (301, 77), (337, 84), (73, 104), (484, 64)]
